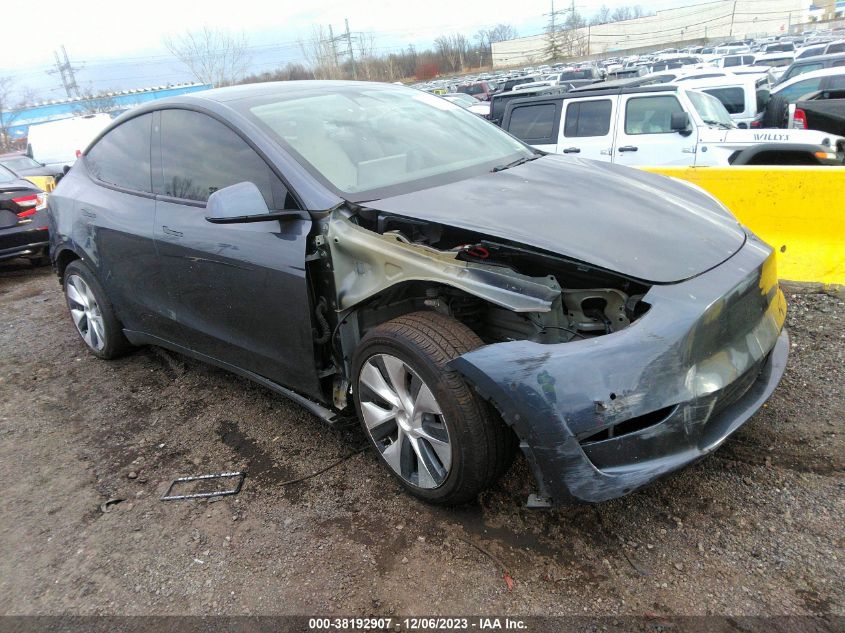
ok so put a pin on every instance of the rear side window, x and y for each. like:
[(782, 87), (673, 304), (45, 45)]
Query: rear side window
[(732, 98), (651, 115), (122, 157), (800, 88), (533, 122), (200, 155), (804, 68), (835, 47), (587, 118)]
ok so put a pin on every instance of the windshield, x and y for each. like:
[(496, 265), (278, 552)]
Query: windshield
[(710, 109), (19, 162), (473, 89), (586, 73), (362, 139)]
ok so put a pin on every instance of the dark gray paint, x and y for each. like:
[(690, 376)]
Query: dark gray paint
[(182, 288), (624, 220)]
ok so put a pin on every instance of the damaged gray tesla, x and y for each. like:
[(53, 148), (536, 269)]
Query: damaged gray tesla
[(374, 250)]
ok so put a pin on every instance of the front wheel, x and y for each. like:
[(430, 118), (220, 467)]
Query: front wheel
[(433, 432)]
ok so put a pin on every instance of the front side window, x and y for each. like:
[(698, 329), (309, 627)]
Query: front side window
[(533, 122), (122, 157), (651, 115), (200, 155), (587, 118), (732, 98)]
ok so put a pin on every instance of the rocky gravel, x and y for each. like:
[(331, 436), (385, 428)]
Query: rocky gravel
[(87, 447)]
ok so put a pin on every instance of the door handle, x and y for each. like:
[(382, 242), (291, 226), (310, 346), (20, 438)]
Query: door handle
[(572, 150), (88, 213), (171, 232), (628, 148)]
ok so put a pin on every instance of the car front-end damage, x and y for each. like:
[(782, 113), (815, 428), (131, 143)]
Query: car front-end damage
[(600, 418), (608, 380)]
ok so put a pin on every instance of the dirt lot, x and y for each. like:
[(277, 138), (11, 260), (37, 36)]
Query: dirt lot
[(756, 529)]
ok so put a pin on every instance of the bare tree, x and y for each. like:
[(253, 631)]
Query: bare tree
[(320, 51), (602, 16), (8, 114), (487, 37), (628, 12), (94, 103), (213, 56), (453, 50), (365, 56)]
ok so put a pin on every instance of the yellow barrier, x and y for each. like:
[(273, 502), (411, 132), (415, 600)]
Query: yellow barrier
[(800, 211)]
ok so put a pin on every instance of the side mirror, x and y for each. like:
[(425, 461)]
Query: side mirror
[(242, 203), (679, 122)]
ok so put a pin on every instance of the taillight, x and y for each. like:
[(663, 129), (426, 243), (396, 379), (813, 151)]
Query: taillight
[(757, 124), (799, 120), (31, 204), (78, 153)]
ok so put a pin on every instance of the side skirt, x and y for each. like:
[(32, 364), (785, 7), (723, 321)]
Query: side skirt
[(141, 338)]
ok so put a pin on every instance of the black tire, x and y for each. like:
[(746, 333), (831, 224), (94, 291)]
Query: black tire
[(482, 446), (115, 343), (776, 112)]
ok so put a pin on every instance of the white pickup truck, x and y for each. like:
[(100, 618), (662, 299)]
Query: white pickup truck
[(659, 125)]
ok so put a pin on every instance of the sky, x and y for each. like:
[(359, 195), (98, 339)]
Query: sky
[(119, 45)]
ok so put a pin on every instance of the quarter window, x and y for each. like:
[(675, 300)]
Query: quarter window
[(651, 115), (732, 98), (533, 122), (587, 118), (200, 155), (122, 157)]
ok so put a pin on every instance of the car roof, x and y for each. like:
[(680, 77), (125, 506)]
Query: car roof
[(815, 59), (719, 82), (821, 72), (283, 89)]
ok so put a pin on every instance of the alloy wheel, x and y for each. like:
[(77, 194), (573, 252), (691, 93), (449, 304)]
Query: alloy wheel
[(405, 421), (85, 312)]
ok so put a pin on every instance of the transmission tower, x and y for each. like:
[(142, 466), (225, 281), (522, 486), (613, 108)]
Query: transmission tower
[(66, 71)]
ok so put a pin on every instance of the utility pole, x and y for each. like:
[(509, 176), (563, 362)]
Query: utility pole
[(66, 71), (351, 54)]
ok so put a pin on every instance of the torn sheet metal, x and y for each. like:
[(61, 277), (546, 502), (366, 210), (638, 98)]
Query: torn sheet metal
[(366, 263)]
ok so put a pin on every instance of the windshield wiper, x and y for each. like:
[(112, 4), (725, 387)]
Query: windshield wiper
[(722, 124), (516, 163)]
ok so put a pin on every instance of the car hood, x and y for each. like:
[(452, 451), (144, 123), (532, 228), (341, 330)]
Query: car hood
[(738, 137), (641, 225)]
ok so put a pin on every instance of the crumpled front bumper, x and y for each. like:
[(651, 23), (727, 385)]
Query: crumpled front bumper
[(599, 418)]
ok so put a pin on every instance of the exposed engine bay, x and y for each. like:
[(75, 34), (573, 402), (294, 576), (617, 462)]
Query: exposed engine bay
[(383, 266)]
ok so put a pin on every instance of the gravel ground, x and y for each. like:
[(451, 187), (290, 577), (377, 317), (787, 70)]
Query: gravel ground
[(755, 529)]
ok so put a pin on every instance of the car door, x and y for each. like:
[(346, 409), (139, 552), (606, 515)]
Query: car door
[(588, 128), (115, 214), (644, 134), (237, 291), (536, 124)]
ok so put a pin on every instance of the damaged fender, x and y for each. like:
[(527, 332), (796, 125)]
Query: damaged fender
[(366, 263)]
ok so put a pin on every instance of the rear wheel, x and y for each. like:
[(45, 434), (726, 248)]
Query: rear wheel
[(92, 312), (434, 433)]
